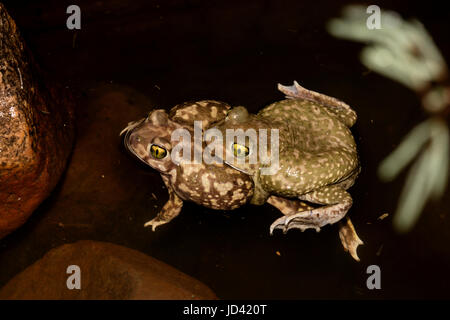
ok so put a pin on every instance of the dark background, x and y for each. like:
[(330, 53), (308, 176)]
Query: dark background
[(130, 57)]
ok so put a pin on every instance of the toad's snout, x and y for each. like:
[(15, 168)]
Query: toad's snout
[(132, 139)]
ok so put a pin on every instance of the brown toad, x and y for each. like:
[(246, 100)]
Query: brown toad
[(216, 186)]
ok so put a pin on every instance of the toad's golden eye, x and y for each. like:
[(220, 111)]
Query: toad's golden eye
[(240, 150), (157, 151)]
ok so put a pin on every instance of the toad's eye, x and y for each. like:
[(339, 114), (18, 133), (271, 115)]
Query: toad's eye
[(240, 150), (157, 151)]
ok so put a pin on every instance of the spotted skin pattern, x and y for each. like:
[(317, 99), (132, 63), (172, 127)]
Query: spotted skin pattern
[(321, 164), (215, 186), (318, 160)]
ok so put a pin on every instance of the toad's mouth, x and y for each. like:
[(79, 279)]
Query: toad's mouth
[(134, 153), (238, 169), (127, 141)]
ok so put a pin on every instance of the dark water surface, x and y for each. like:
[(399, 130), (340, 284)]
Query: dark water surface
[(130, 57)]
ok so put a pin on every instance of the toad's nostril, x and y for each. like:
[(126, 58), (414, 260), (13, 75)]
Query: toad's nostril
[(134, 138)]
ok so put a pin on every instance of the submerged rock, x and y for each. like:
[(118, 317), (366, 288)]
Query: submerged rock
[(107, 271), (36, 130)]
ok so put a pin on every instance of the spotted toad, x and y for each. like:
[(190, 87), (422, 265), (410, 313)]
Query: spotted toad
[(215, 186), (316, 161)]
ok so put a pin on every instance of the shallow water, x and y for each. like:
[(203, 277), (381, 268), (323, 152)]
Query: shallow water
[(129, 58)]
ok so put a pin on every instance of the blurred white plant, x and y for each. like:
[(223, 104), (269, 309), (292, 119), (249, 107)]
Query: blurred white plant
[(405, 52)]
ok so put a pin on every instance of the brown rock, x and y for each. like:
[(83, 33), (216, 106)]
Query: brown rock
[(36, 131), (108, 271)]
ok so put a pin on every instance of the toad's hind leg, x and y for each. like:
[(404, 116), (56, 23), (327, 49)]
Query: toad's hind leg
[(334, 106), (349, 238), (336, 203), (288, 206)]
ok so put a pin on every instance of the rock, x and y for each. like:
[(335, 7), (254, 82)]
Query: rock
[(36, 130), (108, 271)]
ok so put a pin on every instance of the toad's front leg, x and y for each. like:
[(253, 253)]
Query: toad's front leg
[(336, 203), (170, 210)]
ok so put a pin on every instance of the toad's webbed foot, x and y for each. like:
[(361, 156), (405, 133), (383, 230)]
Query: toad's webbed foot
[(349, 239), (292, 208), (311, 219), (335, 106), (336, 203), (302, 220)]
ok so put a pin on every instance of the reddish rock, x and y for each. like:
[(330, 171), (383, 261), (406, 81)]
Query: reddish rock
[(108, 271), (36, 130)]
